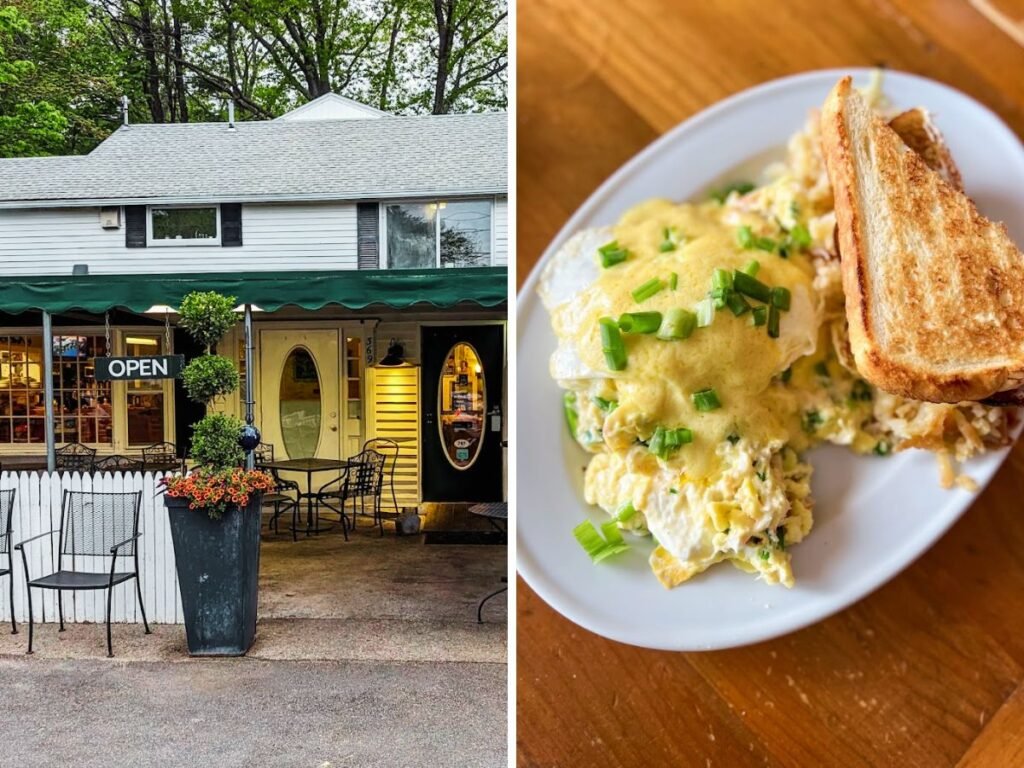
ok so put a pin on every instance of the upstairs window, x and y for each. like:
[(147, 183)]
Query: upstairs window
[(184, 226), (453, 233)]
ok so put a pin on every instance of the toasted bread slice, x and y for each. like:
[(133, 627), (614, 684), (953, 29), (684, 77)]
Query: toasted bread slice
[(934, 290), (918, 132)]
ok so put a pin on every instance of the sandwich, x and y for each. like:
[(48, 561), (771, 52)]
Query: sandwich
[(934, 291)]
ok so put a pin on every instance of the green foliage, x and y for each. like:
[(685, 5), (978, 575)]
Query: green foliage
[(207, 316), (60, 79), (208, 377), (64, 64), (215, 442)]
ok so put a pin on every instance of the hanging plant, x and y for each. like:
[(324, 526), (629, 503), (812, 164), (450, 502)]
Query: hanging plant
[(207, 316), (208, 377)]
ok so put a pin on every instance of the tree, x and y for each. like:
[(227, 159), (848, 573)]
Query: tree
[(59, 81), (64, 64)]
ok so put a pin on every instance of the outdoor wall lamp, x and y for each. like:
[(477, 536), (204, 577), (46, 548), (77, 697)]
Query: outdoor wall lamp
[(395, 356)]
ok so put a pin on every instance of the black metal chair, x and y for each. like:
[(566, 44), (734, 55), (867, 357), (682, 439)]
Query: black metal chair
[(390, 450), (358, 481), (91, 525), (75, 457), (6, 519), (263, 454), (162, 456), (119, 463)]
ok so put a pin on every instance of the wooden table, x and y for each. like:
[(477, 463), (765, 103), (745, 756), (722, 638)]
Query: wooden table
[(928, 670)]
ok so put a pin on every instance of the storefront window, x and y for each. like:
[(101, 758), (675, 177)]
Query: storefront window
[(462, 404), (453, 233), (22, 406), (145, 398), (83, 405)]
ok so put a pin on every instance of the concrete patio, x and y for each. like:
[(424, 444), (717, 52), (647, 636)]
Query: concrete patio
[(367, 653)]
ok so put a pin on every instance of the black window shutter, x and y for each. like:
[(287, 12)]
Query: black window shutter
[(231, 224), (135, 226), (368, 235)]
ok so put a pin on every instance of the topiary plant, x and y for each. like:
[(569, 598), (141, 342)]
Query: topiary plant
[(215, 442), (208, 377), (207, 316)]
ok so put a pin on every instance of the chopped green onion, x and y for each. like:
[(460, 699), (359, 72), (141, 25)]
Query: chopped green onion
[(588, 537), (773, 321), (705, 312), (640, 322), (572, 414), (740, 187), (673, 491), (648, 289), (800, 236), (780, 297), (752, 267), (745, 237), (678, 324), (737, 303), (780, 536), (882, 448), (612, 344), (765, 554), (721, 279), (821, 368), (612, 254), (720, 297), (673, 281), (759, 316), (706, 400), (596, 546), (665, 442), (670, 241), (751, 286), (605, 405), (625, 513)]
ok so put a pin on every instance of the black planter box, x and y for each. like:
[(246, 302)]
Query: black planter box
[(218, 563)]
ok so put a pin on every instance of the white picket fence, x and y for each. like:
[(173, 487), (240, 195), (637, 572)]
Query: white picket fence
[(37, 510)]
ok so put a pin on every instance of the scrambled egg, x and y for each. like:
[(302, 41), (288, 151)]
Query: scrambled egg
[(736, 492), (739, 489)]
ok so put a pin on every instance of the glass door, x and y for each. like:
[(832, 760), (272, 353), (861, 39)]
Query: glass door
[(298, 408)]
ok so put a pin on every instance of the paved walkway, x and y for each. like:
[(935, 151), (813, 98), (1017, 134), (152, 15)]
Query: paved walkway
[(248, 713), (367, 654)]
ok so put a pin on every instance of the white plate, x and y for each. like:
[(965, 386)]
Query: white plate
[(873, 516)]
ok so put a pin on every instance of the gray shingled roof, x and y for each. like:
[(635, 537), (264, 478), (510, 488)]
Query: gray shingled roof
[(389, 157)]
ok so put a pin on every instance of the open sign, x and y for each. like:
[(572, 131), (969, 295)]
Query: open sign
[(136, 368)]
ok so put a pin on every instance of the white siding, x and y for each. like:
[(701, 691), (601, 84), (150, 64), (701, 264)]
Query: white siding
[(294, 237), (500, 232), (37, 509)]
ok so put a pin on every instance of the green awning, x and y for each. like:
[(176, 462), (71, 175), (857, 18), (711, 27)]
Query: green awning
[(354, 289)]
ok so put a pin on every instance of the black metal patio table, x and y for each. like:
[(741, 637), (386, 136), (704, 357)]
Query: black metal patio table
[(496, 514), (309, 466)]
